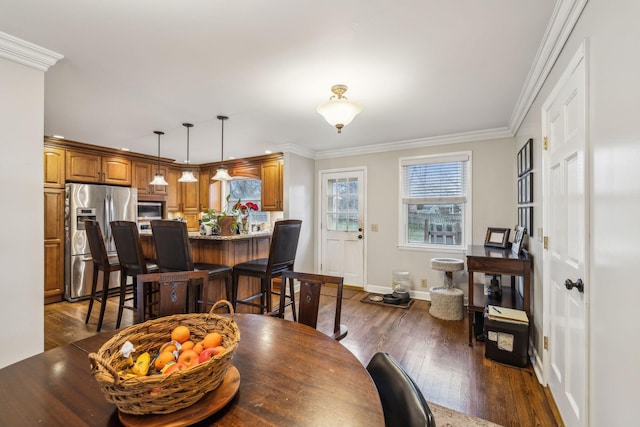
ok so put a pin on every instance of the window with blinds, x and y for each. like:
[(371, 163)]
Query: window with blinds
[(434, 199)]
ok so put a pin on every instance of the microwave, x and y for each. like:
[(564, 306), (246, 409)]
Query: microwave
[(148, 211)]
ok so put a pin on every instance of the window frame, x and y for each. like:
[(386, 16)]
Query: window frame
[(403, 237)]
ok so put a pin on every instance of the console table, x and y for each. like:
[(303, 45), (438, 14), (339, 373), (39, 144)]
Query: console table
[(483, 259)]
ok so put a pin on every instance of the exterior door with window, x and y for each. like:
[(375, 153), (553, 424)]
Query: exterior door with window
[(342, 225)]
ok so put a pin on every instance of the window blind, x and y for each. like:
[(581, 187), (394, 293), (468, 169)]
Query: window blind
[(434, 180)]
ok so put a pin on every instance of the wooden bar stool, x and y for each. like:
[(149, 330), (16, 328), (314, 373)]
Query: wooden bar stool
[(101, 262), (282, 255)]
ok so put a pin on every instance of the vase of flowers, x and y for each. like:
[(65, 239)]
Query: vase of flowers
[(242, 211)]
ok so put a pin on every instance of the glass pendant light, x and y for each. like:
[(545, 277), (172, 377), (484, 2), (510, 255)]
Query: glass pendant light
[(187, 176), (339, 111), (158, 179), (222, 174)]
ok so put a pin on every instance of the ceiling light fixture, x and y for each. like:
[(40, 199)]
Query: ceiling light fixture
[(222, 174), (187, 176), (158, 179), (339, 111)]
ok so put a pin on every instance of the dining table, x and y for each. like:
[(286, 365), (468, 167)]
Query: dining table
[(289, 375)]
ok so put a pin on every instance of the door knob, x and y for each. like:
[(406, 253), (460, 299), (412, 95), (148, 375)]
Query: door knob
[(577, 284)]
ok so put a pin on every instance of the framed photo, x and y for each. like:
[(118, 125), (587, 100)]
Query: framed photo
[(497, 237), (525, 219), (518, 240), (525, 158)]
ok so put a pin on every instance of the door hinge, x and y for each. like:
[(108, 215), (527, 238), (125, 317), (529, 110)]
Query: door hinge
[(546, 242), (545, 143), (546, 343)]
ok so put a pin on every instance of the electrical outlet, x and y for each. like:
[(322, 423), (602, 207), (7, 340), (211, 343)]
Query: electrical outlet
[(374, 227), (423, 283)]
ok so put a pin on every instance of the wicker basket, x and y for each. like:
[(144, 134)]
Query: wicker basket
[(163, 394)]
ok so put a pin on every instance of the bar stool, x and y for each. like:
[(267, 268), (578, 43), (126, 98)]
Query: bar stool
[(132, 262), (282, 255), (173, 252), (101, 262)]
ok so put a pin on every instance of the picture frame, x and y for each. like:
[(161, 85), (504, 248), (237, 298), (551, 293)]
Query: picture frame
[(497, 237), (518, 240), (525, 219), (525, 158), (525, 189)]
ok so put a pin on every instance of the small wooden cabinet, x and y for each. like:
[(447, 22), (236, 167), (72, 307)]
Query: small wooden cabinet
[(173, 191), (271, 175), (143, 173), (54, 167), (191, 203), (93, 168), (205, 184), (53, 244)]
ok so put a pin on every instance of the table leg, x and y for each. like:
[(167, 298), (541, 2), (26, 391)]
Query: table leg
[(470, 307)]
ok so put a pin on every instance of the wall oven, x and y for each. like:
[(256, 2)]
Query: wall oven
[(148, 211)]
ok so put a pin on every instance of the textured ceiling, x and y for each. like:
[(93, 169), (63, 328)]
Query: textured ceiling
[(420, 68)]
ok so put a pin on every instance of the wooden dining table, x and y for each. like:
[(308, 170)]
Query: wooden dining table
[(290, 375)]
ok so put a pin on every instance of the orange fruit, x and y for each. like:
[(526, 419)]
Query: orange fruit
[(198, 347), (212, 339), (189, 358), (221, 349), (162, 359), (170, 346), (187, 345), (180, 333)]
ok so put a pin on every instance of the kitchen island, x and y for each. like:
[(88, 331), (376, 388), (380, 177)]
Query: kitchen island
[(227, 250)]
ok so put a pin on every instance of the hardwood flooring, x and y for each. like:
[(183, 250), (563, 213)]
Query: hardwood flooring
[(434, 352)]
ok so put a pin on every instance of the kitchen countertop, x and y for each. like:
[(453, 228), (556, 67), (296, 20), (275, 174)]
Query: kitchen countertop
[(194, 235)]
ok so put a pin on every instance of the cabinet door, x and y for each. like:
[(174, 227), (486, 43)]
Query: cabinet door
[(116, 170), (205, 183), (191, 195), (173, 190), (83, 167), (271, 175), (143, 174), (54, 167), (53, 244)]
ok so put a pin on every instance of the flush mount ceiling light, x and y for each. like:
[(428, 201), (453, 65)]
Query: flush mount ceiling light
[(187, 176), (339, 111), (158, 179), (222, 174)]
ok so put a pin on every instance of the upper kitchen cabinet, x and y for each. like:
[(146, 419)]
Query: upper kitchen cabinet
[(174, 193), (53, 167), (205, 184), (246, 171), (271, 175), (143, 173), (87, 167)]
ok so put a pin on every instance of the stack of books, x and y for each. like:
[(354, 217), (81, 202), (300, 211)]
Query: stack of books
[(504, 314)]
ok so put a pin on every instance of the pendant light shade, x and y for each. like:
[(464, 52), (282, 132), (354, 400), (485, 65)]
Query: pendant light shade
[(187, 176), (339, 111), (222, 174), (158, 179)]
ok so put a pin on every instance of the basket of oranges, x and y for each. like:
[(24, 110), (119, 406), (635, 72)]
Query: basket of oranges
[(166, 364)]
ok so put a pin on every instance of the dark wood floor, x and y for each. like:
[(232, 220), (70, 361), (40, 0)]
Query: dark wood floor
[(433, 351)]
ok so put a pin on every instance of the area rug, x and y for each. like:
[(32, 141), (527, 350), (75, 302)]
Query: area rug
[(367, 299), (446, 417)]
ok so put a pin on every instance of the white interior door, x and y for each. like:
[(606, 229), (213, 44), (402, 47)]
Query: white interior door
[(342, 225), (566, 213)]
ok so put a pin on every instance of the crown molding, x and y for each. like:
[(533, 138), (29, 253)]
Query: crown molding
[(297, 149), (564, 18), (25, 53), (453, 138)]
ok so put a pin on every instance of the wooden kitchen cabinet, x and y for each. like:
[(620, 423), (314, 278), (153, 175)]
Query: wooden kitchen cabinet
[(205, 184), (143, 173), (53, 244), (271, 175), (94, 168), (54, 167), (173, 190), (190, 200)]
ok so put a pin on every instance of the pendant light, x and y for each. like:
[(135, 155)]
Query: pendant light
[(187, 176), (339, 111), (222, 174), (158, 179)]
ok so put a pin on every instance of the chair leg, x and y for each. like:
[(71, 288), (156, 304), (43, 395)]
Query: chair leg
[(228, 289), (94, 285), (234, 290), (265, 284), (123, 294), (293, 298), (105, 294)]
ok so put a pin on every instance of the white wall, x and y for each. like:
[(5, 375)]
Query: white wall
[(613, 69), (21, 223), (493, 206)]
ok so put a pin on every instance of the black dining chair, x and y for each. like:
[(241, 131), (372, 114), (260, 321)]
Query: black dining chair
[(132, 262), (172, 295), (402, 402), (282, 255), (309, 299), (173, 253), (101, 263)]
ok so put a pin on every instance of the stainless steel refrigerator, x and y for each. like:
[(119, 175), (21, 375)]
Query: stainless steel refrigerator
[(102, 203)]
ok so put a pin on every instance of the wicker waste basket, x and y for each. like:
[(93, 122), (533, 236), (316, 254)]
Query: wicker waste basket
[(163, 394)]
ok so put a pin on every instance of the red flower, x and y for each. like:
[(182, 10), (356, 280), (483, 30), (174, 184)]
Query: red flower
[(252, 206)]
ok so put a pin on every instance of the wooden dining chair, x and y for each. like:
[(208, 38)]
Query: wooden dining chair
[(173, 292), (282, 255), (132, 261), (309, 299), (173, 253), (101, 262), (402, 401)]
